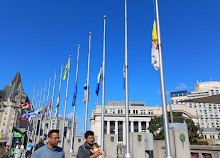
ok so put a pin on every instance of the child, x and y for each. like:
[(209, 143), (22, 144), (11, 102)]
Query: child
[(95, 148)]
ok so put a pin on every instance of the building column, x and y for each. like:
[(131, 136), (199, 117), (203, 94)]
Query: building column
[(116, 128), (108, 127), (132, 126), (147, 125), (139, 127)]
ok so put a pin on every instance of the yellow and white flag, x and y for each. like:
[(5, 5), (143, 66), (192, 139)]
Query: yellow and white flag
[(154, 48), (65, 71)]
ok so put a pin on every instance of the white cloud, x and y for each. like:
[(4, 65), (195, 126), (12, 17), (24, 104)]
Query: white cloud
[(182, 86), (70, 115)]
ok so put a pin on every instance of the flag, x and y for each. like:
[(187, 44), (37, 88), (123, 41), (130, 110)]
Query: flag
[(26, 105), (85, 92), (154, 48), (74, 95), (49, 108), (99, 77), (57, 106), (66, 68), (45, 110), (96, 101), (124, 75), (26, 116)]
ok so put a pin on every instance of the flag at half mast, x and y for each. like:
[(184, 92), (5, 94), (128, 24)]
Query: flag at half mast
[(99, 77), (154, 48), (66, 68), (57, 106), (85, 92)]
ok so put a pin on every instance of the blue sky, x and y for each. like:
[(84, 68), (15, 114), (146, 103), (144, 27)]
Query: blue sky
[(36, 37)]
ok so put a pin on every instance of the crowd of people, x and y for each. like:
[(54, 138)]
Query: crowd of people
[(51, 150)]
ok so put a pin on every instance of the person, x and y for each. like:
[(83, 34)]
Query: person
[(40, 144), (95, 148), (84, 150), (18, 152), (50, 150), (29, 149), (5, 153)]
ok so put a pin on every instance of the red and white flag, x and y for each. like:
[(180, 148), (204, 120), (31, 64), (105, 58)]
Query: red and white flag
[(26, 105), (57, 106)]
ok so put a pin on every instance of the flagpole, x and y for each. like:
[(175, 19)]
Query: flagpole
[(162, 86), (87, 92), (127, 154), (32, 105), (74, 106), (33, 129), (52, 100), (33, 99), (103, 90), (37, 116), (48, 93), (41, 112), (57, 108), (64, 116)]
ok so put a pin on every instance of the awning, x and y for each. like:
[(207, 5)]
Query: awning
[(213, 99)]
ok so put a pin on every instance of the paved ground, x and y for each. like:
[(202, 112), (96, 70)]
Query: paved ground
[(68, 155)]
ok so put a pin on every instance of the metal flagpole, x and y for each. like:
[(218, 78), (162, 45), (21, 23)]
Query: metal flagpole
[(127, 154), (37, 116), (162, 86), (59, 96), (37, 99), (40, 116), (64, 116), (45, 117), (33, 99), (28, 133), (34, 121), (74, 106), (32, 106), (52, 101), (87, 92), (103, 89)]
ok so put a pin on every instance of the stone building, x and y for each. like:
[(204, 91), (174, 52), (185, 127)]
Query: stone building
[(209, 114), (10, 98), (139, 118)]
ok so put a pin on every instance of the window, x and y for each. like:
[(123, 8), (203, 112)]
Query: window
[(105, 127), (120, 130), (120, 111), (112, 127), (135, 126), (143, 127)]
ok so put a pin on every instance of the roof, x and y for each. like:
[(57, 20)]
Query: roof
[(122, 103), (214, 99), (17, 79)]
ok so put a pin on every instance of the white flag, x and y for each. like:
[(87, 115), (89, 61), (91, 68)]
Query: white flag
[(154, 49)]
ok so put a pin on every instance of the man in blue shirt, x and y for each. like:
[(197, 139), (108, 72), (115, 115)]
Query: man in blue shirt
[(50, 150)]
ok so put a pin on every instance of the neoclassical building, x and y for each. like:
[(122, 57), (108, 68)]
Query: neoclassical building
[(139, 118)]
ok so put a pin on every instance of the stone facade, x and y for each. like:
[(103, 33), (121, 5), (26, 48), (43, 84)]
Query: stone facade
[(139, 118), (10, 98)]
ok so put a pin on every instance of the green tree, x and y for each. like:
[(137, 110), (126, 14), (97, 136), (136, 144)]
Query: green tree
[(156, 127)]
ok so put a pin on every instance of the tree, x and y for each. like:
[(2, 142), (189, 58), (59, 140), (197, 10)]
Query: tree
[(156, 127)]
